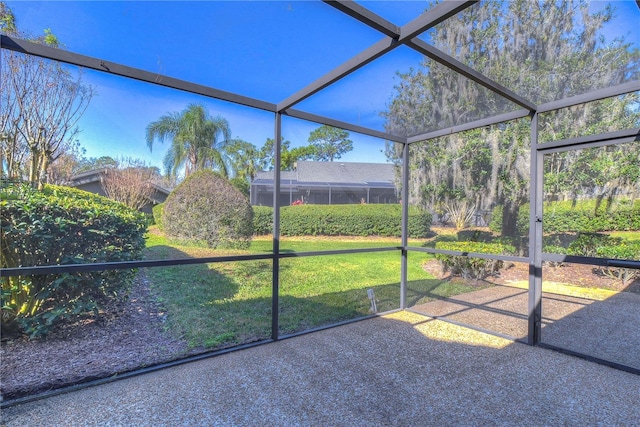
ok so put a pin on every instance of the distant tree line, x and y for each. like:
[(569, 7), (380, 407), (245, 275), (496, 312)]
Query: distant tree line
[(200, 141)]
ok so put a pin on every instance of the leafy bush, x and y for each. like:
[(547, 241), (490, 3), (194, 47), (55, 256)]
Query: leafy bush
[(522, 222), (581, 216), (205, 208), (625, 251), (596, 245), (475, 236), (588, 244), (242, 185), (343, 220), (62, 225), (471, 267), (262, 220), (158, 214)]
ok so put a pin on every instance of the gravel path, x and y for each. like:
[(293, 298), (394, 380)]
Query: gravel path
[(398, 370)]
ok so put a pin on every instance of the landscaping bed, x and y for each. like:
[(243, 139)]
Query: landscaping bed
[(581, 275), (131, 337)]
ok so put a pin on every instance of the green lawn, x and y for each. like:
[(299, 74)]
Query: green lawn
[(626, 235), (222, 304)]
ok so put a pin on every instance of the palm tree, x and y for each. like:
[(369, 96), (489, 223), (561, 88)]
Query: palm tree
[(198, 141), (245, 159)]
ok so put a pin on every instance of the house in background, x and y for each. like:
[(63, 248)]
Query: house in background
[(328, 183), (92, 182)]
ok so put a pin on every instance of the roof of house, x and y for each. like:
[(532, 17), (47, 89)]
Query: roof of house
[(360, 174), (87, 177), (96, 175)]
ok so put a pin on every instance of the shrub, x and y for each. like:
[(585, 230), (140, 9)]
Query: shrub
[(596, 245), (625, 251), (588, 244), (158, 213), (475, 236), (242, 185), (206, 209), (62, 225), (460, 213), (581, 216), (262, 220), (344, 220), (471, 267), (522, 222)]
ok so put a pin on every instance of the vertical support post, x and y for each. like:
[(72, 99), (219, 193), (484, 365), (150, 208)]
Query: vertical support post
[(535, 237), (405, 227), (275, 303)]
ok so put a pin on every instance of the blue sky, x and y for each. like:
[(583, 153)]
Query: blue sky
[(265, 50)]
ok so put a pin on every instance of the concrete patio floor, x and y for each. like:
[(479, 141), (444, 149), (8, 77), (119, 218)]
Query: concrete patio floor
[(401, 369), (605, 324)]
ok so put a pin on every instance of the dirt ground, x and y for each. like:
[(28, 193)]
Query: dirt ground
[(132, 336), (574, 274)]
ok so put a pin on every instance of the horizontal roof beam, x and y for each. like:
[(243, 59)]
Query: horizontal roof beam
[(432, 17), (514, 115), (30, 48), (591, 141), (595, 95), (457, 66), (343, 125)]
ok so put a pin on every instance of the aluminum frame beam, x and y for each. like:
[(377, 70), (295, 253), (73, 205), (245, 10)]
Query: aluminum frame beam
[(363, 58), (511, 258), (514, 115), (433, 17), (594, 95), (460, 68), (429, 19), (536, 174), (591, 141), (343, 125), (30, 48), (365, 16)]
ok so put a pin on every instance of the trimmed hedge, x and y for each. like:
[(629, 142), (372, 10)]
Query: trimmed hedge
[(342, 220), (565, 216), (206, 209), (158, 214), (592, 245), (62, 225), (262, 220), (471, 267)]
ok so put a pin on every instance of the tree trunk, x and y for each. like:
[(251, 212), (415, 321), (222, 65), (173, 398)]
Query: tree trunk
[(510, 219), (42, 171)]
